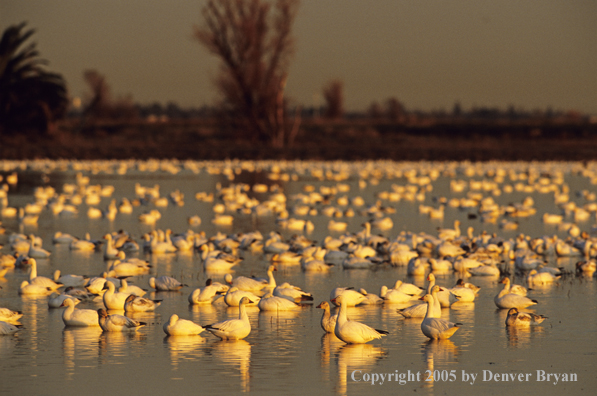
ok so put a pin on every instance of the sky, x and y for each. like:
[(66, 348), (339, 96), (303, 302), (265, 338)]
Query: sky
[(428, 54)]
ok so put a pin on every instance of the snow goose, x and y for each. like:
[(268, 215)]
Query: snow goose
[(353, 262), (220, 262), (523, 319), (37, 252), (315, 265), (208, 294), (233, 297), (130, 289), (55, 300), (60, 238), (445, 297), (417, 267), (352, 332), (113, 299), (463, 293), (484, 270), (69, 280), (117, 322), (269, 302), (10, 316), (408, 288), (34, 290), (394, 296), (435, 327), (233, 329), (516, 289), (585, 267), (370, 298), (292, 293), (328, 321), (110, 252), (78, 317), (506, 300), (351, 297), (441, 266), (140, 304), (165, 283), (8, 329), (420, 310), (181, 327), (39, 280), (541, 278)]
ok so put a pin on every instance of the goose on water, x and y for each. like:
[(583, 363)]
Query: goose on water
[(328, 321), (78, 317), (117, 322), (233, 329), (523, 319), (181, 327), (435, 327), (352, 332)]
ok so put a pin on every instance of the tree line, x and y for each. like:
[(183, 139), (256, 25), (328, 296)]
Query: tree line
[(254, 42)]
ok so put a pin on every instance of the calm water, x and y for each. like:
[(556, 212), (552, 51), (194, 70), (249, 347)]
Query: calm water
[(288, 352)]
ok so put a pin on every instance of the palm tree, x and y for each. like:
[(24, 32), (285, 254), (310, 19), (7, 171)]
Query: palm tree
[(31, 98)]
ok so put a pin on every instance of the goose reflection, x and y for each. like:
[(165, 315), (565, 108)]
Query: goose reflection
[(236, 354), (329, 347), (440, 352), (356, 357), (183, 347), (520, 337), (79, 343)]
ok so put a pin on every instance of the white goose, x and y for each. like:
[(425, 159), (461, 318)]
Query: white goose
[(34, 290), (181, 327), (292, 293), (435, 327), (130, 289), (140, 304), (117, 322), (113, 299), (516, 289), (165, 283), (10, 316), (394, 296), (39, 280), (233, 329), (208, 294), (351, 297), (234, 296), (446, 297), (523, 319), (8, 329), (420, 310), (110, 252), (269, 302), (55, 300), (352, 332), (506, 300), (78, 317), (541, 278)]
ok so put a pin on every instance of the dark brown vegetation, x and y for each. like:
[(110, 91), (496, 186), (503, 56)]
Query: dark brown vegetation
[(317, 139)]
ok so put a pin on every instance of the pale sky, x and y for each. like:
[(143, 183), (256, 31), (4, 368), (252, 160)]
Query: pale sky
[(428, 54)]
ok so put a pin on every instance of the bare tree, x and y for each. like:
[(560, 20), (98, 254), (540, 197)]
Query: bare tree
[(395, 110), (253, 40), (333, 93), (101, 105), (99, 100)]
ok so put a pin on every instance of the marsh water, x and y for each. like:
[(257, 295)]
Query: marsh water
[(288, 352)]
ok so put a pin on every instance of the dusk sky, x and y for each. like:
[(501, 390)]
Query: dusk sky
[(428, 54)]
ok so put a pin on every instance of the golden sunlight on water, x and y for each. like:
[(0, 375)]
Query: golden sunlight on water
[(286, 350)]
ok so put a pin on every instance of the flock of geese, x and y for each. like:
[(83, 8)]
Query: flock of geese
[(448, 250)]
